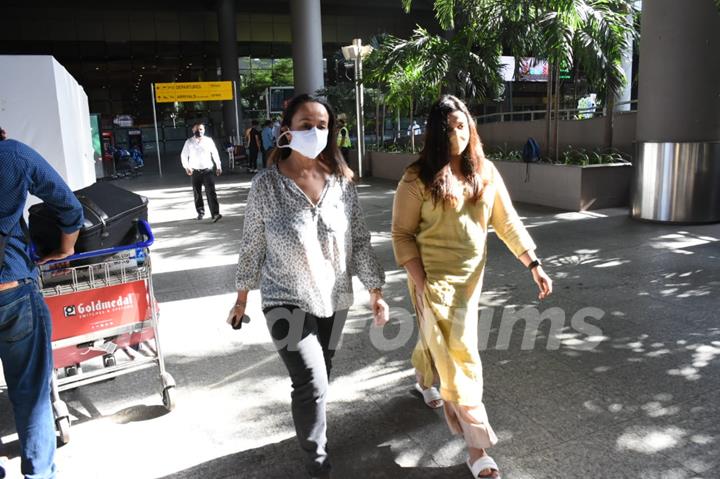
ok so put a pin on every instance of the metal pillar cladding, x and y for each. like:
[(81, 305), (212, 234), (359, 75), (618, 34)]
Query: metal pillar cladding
[(678, 182), (307, 53), (359, 105), (227, 36), (677, 166), (157, 137)]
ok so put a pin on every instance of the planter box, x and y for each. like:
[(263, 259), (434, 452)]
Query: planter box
[(568, 187), (389, 166), (353, 163)]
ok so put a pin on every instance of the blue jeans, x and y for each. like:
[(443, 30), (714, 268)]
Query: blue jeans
[(26, 354)]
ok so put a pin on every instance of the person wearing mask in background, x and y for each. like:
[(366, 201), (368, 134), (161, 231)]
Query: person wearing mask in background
[(25, 323), (199, 157), (268, 142), (443, 207), (343, 140), (304, 237)]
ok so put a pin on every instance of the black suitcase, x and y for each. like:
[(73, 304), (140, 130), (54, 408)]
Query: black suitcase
[(111, 217)]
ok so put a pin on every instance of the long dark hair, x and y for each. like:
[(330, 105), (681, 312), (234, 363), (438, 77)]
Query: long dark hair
[(433, 165), (330, 156)]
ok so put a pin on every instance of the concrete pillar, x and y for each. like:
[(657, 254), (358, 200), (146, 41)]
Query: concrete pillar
[(227, 35), (306, 26), (677, 168)]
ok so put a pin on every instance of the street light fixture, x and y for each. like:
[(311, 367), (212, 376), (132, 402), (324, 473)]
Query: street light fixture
[(356, 52)]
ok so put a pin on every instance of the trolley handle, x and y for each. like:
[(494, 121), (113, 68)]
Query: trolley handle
[(145, 230)]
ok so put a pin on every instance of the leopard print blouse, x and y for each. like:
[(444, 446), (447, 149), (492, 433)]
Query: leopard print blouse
[(303, 254)]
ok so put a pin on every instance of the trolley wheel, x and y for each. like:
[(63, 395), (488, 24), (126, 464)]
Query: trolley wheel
[(62, 424), (168, 397), (73, 370), (109, 360)]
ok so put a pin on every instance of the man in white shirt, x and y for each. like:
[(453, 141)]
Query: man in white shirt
[(199, 156), (414, 128)]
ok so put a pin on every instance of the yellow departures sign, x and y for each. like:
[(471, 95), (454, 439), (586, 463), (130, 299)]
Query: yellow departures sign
[(193, 91)]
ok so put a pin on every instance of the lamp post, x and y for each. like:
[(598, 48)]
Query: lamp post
[(357, 52)]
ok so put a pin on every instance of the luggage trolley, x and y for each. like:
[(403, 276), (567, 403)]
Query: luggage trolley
[(101, 303)]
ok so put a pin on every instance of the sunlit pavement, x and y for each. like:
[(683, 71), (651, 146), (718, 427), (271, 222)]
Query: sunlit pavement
[(632, 394)]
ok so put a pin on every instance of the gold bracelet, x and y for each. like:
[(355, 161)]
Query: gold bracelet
[(375, 290)]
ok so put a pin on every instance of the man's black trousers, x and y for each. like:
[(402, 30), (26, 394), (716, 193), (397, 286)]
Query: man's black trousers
[(205, 177)]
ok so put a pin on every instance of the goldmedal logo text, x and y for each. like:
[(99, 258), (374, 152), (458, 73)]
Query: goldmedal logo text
[(99, 306)]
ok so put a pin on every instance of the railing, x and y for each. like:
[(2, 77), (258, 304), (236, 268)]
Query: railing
[(565, 113)]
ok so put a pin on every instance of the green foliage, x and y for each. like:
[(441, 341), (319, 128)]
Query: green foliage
[(282, 72), (254, 85), (403, 147), (503, 153), (400, 78), (444, 12), (583, 157), (586, 35), (425, 64), (408, 83), (571, 156)]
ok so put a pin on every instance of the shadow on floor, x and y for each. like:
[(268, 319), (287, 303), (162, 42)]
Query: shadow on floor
[(271, 462)]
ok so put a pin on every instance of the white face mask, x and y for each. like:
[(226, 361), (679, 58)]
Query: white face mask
[(309, 143), (458, 142)]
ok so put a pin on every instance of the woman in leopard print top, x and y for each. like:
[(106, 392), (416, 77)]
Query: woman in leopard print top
[(304, 237)]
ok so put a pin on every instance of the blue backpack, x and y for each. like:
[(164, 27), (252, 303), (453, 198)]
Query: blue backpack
[(531, 151)]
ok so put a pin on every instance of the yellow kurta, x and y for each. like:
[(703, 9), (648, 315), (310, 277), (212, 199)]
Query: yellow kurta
[(452, 244)]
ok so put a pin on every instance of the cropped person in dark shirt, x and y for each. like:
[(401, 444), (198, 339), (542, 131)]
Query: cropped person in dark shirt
[(25, 325)]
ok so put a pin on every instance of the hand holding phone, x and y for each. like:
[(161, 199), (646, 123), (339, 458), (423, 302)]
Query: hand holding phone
[(237, 316)]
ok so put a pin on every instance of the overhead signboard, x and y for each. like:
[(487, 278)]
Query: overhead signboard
[(531, 69), (193, 91)]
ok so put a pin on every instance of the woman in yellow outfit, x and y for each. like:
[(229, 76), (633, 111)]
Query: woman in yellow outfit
[(443, 206)]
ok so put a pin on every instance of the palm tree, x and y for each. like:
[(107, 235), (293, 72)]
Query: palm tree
[(426, 64), (590, 35), (462, 64), (407, 85)]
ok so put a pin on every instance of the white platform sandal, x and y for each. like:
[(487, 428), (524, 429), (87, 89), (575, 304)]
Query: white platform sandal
[(485, 462), (430, 395)]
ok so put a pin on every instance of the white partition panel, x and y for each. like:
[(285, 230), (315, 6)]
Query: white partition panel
[(42, 105)]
